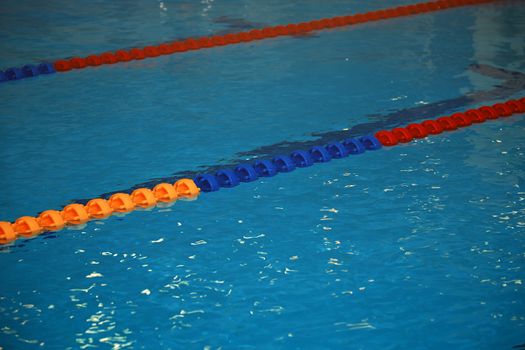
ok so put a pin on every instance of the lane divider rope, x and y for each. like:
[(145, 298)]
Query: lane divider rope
[(97, 209), (190, 44), (75, 214)]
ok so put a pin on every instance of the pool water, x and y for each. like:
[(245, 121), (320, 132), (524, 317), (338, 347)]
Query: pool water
[(419, 246)]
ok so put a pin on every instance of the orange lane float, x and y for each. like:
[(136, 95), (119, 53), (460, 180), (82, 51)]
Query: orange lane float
[(121, 202), (186, 188), (165, 192), (143, 197), (96, 209), (7, 232), (27, 226), (51, 220)]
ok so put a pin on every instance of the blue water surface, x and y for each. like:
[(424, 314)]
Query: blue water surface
[(420, 246)]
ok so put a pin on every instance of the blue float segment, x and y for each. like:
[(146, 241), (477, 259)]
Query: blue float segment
[(284, 164), (354, 146), (227, 178), (337, 150), (207, 183), (370, 142), (246, 173), (265, 168), (29, 70), (13, 74), (320, 154), (302, 159), (46, 68)]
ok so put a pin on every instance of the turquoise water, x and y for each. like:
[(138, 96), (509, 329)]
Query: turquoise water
[(419, 246)]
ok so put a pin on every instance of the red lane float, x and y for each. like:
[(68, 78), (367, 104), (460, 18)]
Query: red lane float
[(204, 42), (456, 120)]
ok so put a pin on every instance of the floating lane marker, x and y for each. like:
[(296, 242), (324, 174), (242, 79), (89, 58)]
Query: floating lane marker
[(77, 214), (96, 209), (190, 44), (340, 149)]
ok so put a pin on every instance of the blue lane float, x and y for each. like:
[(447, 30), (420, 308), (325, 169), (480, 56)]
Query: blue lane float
[(354, 146), (370, 142), (320, 154), (337, 150), (248, 172), (265, 168), (27, 71), (284, 164), (227, 178), (302, 159), (207, 182)]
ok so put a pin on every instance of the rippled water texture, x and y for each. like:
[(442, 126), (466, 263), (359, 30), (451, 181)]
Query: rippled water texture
[(420, 246)]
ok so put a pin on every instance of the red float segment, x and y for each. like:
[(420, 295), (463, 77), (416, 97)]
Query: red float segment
[(123, 56), (402, 135), (62, 66), (447, 123), (516, 106), (151, 51), (432, 126), (217, 40), (137, 54), (166, 49), (180, 46), (386, 138), (205, 42), (461, 119), (108, 58), (489, 112), (257, 34), (502, 109), (78, 63), (93, 61), (475, 116), (418, 131)]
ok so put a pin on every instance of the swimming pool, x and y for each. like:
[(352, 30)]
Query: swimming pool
[(415, 246)]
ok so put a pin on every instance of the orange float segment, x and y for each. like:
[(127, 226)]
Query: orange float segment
[(51, 220), (121, 202), (75, 214), (186, 188), (27, 226), (7, 233), (98, 208), (165, 192), (143, 197)]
